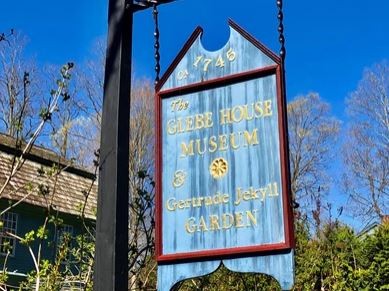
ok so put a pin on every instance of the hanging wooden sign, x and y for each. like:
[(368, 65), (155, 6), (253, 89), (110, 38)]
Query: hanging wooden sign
[(222, 161)]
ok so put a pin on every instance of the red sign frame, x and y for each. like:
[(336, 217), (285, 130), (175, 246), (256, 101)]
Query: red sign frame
[(284, 154)]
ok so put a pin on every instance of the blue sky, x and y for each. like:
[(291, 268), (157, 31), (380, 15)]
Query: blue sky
[(329, 43)]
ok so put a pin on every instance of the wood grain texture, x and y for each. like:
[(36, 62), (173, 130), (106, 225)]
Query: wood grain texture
[(249, 166), (280, 267), (206, 87)]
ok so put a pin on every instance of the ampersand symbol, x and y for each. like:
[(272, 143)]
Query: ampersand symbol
[(179, 178)]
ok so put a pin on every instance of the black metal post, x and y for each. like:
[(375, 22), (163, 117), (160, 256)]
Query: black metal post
[(111, 257)]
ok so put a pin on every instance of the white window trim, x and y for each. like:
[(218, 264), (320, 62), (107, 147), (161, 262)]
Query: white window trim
[(13, 252), (63, 228)]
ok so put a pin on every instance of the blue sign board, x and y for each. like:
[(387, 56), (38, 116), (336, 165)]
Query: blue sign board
[(222, 163)]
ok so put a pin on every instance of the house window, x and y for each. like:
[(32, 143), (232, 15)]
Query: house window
[(7, 242), (64, 231)]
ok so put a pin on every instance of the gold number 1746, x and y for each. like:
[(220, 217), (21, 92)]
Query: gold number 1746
[(206, 62)]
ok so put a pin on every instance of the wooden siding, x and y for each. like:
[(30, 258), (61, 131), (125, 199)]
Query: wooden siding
[(69, 186), (31, 218)]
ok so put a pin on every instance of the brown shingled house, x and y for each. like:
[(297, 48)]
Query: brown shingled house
[(44, 184)]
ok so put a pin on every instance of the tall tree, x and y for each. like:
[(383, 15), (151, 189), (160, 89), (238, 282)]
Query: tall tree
[(366, 149), (17, 86), (25, 115), (312, 135)]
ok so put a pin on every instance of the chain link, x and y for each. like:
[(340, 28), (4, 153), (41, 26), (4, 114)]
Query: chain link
[(281, 36), (156, 44)]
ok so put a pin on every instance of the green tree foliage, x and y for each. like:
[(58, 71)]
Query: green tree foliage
[(225, 280), (338, 259), (374, 272)]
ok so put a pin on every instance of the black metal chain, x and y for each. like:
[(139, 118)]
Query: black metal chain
[(156, 44), (281, 37)]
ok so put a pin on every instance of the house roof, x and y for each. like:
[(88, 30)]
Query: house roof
[(35, 183), (371, 227)]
